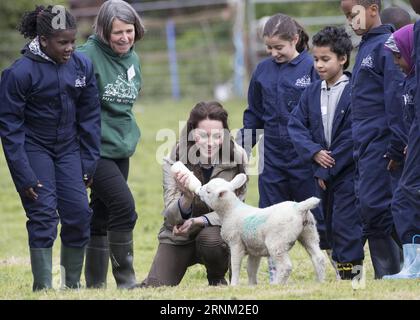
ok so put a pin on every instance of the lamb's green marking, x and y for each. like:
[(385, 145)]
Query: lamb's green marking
[(252, 222)]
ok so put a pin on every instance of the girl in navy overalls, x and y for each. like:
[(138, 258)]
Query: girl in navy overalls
[(404, 209), (320, 128), (401, 44), (50, 131), (274, 91)]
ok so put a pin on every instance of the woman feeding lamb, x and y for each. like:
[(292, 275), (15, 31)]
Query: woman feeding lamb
[(190, 233)]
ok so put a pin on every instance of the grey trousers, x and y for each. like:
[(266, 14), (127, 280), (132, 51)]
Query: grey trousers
[(172, 261)]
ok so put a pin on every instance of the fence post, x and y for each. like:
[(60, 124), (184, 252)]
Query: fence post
[(173, 64), (238, 40)]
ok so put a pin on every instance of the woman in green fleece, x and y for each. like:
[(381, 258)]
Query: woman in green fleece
[(117, 71)]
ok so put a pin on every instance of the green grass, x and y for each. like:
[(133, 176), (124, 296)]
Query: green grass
[(145, 182)]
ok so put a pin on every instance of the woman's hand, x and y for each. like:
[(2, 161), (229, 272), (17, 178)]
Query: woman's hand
[(30, 192), (184, 228), (324, 159), (182, 181)]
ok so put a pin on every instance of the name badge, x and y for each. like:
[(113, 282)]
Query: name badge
[(131, 73)]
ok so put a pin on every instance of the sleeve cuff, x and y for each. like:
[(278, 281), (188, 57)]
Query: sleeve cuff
[(206, 221), (395, 155), (322, 173), (184, 214), (89, 168)]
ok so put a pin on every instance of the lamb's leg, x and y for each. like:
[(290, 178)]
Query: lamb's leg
[(283, 266), (271, 270), (309, 238), (253, 264), (237, 252)]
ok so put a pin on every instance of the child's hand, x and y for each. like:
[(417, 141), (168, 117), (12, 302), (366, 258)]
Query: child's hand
[(324, 159), (30, 192), (392, 165), (322, 184), (88, 183)]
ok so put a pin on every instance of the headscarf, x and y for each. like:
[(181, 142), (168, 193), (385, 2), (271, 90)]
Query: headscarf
[(402, 42)]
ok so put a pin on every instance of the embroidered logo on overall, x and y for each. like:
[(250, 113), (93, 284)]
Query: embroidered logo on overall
[(367, 62), (80, 82), (303, 82), (408, 99)]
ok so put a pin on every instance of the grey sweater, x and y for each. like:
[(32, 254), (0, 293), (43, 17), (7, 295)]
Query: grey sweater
[(329, 100)]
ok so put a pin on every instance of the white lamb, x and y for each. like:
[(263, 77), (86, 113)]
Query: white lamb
[(264, 232)]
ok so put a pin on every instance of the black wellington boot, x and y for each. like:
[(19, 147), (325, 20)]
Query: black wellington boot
[(121, 253)]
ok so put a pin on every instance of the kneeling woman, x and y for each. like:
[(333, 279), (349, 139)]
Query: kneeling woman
[(191, 230)]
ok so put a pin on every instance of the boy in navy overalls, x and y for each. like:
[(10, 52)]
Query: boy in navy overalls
[(377, 129), (320, 128)]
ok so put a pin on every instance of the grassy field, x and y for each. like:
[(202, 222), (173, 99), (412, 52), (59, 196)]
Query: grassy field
[(145, 182)]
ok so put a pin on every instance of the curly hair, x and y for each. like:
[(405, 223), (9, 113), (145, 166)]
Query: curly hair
[(39, 22), (337, 39), (367, 3)]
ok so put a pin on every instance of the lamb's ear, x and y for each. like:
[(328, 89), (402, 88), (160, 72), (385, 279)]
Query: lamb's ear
[(238, 181), (221, 193)]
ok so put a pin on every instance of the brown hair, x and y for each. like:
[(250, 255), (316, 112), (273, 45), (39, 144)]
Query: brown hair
[(211, 110), (286, 28)]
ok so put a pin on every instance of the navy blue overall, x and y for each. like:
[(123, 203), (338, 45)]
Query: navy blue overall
[(274, 91), (409, 108), (406, 201), (50, 130), (343, 221), (378, 129)]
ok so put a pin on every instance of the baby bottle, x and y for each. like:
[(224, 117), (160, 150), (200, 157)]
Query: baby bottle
[(194, 184)]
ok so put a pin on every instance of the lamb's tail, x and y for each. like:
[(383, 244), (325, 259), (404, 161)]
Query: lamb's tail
[(308, 204)]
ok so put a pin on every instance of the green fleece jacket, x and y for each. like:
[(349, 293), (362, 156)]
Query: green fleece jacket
[(119, 80)]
